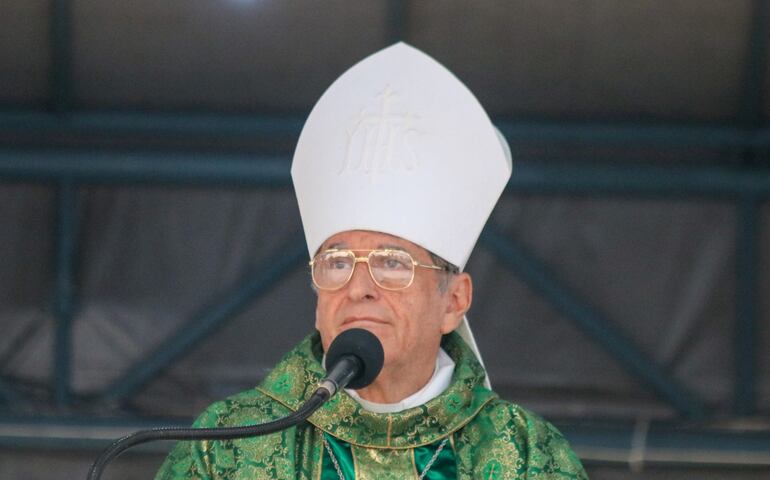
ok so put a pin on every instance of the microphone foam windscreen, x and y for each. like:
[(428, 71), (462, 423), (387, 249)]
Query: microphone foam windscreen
[(362, 344)]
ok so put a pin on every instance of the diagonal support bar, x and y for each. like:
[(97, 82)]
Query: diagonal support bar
[(534, 273), (8, 394), (20, 341), (188, 335)]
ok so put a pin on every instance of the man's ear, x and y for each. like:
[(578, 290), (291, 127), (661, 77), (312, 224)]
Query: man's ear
[(459, 296)]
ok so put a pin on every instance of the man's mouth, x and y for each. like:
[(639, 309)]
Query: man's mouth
[(364, 320)]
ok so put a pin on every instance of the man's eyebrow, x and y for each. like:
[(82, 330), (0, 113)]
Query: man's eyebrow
[(392, 247), (341, 245)]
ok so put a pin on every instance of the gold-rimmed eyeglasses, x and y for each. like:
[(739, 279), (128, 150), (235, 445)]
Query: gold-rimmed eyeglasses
[(389, 268)]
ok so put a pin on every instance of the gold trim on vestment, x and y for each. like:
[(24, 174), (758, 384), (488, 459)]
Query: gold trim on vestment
[(321, 457), (355, 463), (390, 429), (448, 434), (414, 464)]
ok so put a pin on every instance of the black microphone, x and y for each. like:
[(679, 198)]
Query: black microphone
[(354, 360), (355, 357)]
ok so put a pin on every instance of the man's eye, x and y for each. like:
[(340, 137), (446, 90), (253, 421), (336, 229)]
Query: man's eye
[(394, 264), (338, 264)]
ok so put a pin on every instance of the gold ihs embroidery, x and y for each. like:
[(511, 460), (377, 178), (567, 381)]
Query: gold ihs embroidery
[(383, 464)]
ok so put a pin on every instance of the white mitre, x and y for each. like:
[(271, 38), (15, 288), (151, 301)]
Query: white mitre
[(399, 145)]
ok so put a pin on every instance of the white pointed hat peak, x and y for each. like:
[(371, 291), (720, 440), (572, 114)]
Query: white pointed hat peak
[(397, 144)]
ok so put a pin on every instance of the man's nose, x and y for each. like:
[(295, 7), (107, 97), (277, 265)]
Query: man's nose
[(361, 284)]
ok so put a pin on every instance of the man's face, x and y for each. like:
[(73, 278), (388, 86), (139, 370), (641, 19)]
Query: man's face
[(408, 322)]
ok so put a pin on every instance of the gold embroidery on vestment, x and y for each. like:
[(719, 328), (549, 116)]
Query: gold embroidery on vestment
[(414, 465), (382, 464), (320, 434), (355, 462), (390, 428), (428, 441)]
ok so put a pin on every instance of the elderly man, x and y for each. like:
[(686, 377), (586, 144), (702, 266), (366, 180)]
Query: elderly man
[(396, 171)]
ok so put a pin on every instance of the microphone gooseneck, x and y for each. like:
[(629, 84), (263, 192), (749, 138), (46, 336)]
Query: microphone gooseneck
[(224, 433), (355, 358)]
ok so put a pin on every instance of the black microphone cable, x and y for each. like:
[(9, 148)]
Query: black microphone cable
[(219, 433), (358, 359)]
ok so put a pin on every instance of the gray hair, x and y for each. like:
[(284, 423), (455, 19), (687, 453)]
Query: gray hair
[(447, 270)]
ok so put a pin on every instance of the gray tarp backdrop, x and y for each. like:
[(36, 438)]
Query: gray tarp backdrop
[(151, 258)]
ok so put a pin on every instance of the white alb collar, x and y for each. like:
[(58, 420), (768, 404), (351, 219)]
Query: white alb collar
[(442, 377)]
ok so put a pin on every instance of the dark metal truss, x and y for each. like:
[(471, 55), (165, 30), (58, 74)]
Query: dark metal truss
[(746, 189), (68, 169)]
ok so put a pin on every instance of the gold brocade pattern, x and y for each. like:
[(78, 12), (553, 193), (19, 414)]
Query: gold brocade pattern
[(491, 438), (345, 419), (383, 464)]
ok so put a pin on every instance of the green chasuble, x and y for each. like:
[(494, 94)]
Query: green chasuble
[(489, 438)]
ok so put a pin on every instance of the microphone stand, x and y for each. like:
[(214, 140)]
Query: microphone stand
[(356, 357), (323, 393)]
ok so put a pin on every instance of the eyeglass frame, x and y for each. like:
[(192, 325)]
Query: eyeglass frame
[(357, 260)]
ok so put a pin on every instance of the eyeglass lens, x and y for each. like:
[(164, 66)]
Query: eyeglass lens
[(390, 269)]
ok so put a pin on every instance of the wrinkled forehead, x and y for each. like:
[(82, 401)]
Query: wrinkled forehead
[(367, 239)]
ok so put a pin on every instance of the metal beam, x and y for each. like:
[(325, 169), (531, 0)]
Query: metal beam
[(537, 276), (64, 304), (755, 70), (595, 443), (159, 124), (61, 56), (114, 167), (273, 170), (397, 21), (643, 444), (76, 433), (683, 182), (746, 302), (633, 134), (120, 123), (207, 321)]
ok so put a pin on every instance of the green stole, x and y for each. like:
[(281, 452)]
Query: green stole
[(443, 468), (372, 445)]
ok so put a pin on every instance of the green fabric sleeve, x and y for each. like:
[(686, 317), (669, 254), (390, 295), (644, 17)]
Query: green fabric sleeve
[(191, 459), (506, 441), (549, 455), (182, 463)]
